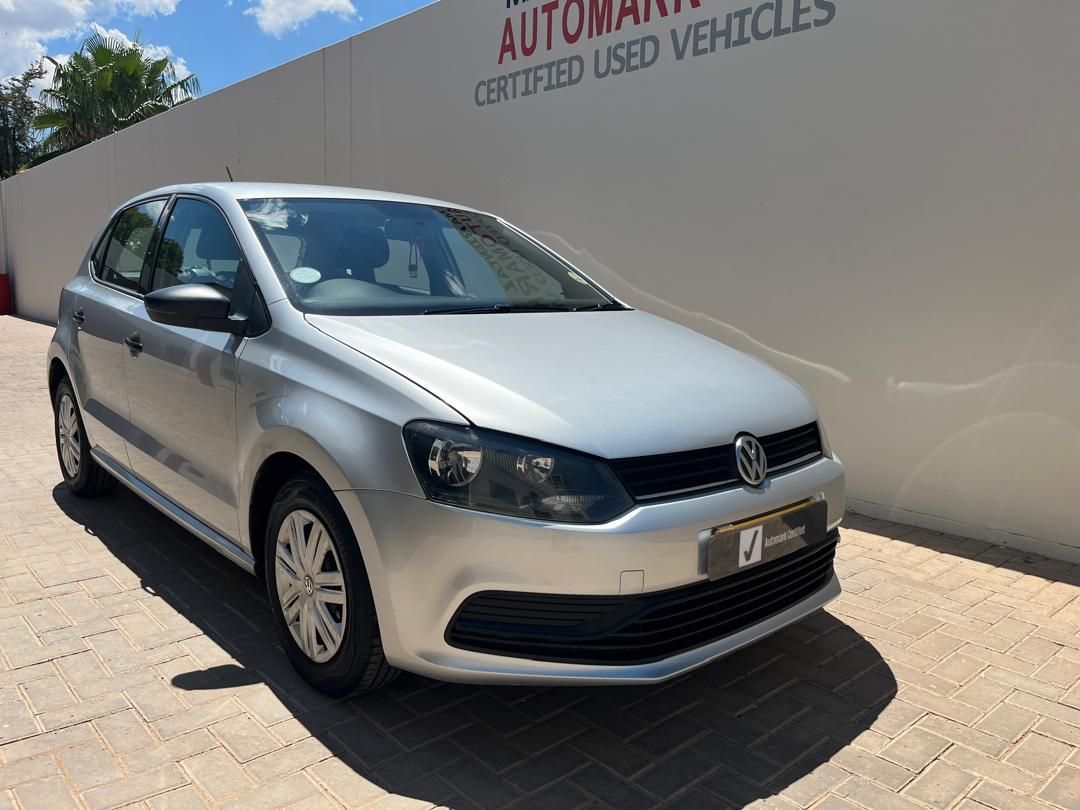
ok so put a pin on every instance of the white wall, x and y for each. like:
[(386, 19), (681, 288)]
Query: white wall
[(886, 207)]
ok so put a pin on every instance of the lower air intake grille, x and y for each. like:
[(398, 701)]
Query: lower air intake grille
[(622, 630)]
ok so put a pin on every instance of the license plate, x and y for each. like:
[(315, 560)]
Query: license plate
[(744, 545)]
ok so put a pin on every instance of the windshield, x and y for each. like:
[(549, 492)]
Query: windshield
[(363, 257)]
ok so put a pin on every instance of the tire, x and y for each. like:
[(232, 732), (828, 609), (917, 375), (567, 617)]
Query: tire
[(84, 476), (331, 634)]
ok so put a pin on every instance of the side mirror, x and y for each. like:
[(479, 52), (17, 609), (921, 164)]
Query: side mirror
[(198, 306)]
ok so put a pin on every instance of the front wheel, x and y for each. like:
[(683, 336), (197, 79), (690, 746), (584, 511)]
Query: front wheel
[(82, 474), (318, 587)]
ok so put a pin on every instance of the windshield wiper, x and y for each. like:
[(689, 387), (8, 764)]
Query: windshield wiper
[(610, 306), (535, 307), (484, 309)]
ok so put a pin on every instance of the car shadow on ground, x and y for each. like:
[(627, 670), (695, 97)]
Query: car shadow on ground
[(744, 728)]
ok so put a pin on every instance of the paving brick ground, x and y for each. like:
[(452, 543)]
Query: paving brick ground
[(137, 667)]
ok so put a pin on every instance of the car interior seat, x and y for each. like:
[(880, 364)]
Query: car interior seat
[(361, 251)]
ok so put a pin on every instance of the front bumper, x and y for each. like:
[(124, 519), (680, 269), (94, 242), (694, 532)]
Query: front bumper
[(425, 560)]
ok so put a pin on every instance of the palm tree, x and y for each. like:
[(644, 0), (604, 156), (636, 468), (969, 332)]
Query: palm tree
[(107, 85)]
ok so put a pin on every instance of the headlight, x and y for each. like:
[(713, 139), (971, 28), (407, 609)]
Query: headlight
[(494, 472)]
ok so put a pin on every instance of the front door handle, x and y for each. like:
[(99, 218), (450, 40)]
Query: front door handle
[(79, 316), (134, 342)]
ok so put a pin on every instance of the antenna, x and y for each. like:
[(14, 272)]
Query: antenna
[(229, 172)]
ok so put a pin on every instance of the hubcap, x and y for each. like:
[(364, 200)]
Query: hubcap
[(310, 585), (68, 436)]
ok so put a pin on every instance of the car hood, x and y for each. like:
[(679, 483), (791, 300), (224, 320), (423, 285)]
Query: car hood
[(614, 384)]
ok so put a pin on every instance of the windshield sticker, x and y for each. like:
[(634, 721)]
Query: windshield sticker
[(305, 275)]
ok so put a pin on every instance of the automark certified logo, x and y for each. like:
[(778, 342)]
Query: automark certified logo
[(750, 460), (750, 547)]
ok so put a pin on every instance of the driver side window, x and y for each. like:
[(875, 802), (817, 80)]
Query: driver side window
[(197, 248)]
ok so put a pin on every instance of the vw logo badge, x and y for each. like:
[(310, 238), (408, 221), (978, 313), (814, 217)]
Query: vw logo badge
[(750, 460)]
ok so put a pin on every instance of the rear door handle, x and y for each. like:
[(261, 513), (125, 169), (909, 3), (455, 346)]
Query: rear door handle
[(134, 342), (79, 316)]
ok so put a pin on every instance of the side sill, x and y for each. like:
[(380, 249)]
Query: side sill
[(211, 537)]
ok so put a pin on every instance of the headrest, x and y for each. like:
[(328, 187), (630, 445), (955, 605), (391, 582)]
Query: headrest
[(362, 248), (216, 241), (405, 229)]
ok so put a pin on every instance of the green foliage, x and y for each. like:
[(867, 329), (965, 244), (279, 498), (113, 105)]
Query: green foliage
[(134, 224), (106, 86), (170, 257), (17, 110)]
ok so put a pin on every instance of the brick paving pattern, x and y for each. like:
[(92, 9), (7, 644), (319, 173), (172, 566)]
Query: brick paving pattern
[(139, 668)]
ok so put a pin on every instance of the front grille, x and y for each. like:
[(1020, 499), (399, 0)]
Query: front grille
[(670, 475), (792, 447), (623, 630)]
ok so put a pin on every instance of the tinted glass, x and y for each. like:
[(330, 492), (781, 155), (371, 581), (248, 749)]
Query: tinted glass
[(120, 259), (197, 248), (364, 257)]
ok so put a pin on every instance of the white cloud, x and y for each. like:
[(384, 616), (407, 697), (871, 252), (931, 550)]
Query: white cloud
[(275, 17), (27, 26), (17, 50), (146, 8)]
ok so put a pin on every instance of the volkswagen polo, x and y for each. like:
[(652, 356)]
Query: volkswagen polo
[(443, 447)]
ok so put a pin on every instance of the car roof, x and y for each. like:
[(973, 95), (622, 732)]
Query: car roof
[(243, 191)]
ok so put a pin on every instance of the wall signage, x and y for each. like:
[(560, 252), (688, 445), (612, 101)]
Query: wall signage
[(539, 28)]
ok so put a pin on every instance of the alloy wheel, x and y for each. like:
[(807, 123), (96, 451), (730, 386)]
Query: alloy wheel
[(70, 436), (310, 585)]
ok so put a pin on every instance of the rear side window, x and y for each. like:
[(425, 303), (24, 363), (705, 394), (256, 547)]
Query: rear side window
[(121, 257), (198, 248)]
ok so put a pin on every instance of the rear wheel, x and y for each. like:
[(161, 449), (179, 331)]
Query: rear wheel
[(82, 474), (318, 587)]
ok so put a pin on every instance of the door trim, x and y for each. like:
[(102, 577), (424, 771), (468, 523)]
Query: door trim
[(211, 537)]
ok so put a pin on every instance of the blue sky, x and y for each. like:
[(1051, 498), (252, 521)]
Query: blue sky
[(222, 42)]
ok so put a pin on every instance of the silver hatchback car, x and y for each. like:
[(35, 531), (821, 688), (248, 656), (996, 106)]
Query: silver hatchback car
[(443, 447)]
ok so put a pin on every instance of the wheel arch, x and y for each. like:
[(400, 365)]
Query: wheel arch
[(270, 478), (282, 454), (57, 372), (62, 365)]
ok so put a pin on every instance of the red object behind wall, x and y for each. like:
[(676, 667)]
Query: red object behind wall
[(5, 294)]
